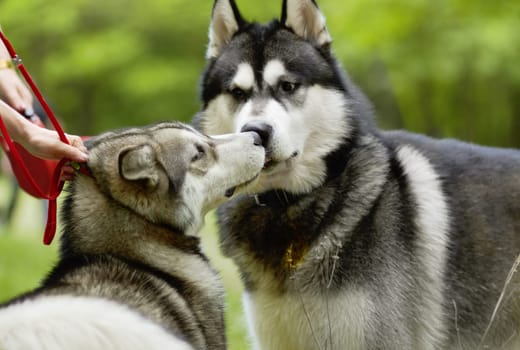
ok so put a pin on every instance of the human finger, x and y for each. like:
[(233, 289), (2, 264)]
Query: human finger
[(14, 99), (67, 173), (25, 95), (72, 153), (77, 142)]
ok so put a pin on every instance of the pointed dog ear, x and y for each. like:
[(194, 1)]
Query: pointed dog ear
[(225, 22), (306, 20), (139, 164)]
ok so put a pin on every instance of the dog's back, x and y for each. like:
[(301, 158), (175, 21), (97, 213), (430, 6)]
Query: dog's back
[(83, 324)]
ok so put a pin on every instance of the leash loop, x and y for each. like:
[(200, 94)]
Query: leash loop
[(17, 60)]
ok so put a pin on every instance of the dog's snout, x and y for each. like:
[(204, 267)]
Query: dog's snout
[(262, 130)]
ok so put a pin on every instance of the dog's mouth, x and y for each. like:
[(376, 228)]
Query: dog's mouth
[(271, 163), (231, 191), (270, 166)]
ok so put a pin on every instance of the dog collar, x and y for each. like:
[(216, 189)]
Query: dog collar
[(82, 168), (294, 255)]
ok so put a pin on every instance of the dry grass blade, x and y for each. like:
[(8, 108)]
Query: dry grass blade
[(500, 300)]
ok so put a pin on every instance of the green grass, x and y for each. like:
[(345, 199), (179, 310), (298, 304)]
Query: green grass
[(24, 260)]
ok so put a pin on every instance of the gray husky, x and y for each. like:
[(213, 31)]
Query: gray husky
[(356, 238), (131, 273)]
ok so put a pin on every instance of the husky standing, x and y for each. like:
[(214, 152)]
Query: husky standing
[(357, 238), (131, 273)]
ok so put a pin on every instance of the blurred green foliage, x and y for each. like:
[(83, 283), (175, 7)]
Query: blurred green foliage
[(446, 68)]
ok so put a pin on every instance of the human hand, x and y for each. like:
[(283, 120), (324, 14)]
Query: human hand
[(46, 144), (39, 141)]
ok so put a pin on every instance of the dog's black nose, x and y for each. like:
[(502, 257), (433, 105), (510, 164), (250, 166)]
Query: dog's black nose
[(263, 130)]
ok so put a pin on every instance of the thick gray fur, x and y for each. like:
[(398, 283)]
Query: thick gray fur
[(388, 240), (130, 248)]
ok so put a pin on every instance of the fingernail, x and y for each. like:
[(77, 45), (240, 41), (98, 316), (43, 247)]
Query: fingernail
[(84, 157), (28, 112)]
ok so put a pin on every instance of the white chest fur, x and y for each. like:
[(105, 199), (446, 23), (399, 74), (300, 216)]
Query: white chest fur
[(307, 322)]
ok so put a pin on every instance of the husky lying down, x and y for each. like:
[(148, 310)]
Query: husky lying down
[(358, 238), (131, 274)]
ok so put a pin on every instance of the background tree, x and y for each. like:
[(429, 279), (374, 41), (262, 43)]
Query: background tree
[(448, 68)]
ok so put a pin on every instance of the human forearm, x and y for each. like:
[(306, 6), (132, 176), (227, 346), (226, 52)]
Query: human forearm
[(12, 89), (41, 142), (14, 122), (4, 54)]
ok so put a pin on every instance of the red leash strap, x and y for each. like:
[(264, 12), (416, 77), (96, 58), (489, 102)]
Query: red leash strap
[(18, 62), (56, 187), (21, 160)]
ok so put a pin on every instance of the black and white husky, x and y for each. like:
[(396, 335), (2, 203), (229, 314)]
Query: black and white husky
[(131, 273), (356, 238)]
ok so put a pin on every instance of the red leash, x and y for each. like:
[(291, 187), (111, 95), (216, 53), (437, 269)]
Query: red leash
[(47, 185), (18, 62)]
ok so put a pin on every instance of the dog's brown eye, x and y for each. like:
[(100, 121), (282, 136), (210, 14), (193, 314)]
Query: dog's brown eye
[(201, 152), (288, 87), (239, 94)]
